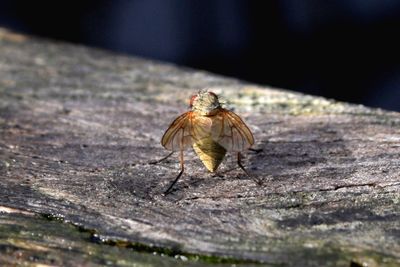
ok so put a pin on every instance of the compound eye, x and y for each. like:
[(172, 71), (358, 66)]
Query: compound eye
[(192, 99)]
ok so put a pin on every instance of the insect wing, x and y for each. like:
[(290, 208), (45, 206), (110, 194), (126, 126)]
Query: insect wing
[(179, 134), (232, 133), (185, 130)]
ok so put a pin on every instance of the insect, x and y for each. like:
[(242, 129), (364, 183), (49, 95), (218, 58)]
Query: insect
[(211, 130)]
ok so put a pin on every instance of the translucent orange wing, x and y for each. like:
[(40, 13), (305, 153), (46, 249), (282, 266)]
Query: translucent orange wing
[(232, 133), (185, 130)]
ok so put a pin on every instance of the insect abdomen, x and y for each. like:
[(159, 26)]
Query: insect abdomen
[(210, 153)]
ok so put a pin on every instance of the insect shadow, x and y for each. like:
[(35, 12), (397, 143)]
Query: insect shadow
[(315, 150)]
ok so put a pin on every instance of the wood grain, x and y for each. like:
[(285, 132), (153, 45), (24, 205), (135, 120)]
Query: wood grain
[(79, 128)]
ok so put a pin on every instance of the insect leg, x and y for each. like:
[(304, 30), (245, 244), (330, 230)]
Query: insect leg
[(239, 162), (256, 150), (177, 177), (161, 160)]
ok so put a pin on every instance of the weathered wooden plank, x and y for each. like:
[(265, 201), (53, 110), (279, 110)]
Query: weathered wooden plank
[(79, 126)]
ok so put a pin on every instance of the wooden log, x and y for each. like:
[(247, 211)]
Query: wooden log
[(79, 128)]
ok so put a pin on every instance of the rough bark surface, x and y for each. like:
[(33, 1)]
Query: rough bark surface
[(80, 127)]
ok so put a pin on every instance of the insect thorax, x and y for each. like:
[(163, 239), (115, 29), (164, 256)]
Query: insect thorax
[(205, 103)]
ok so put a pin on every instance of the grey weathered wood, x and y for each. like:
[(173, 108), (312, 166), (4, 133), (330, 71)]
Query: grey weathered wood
[(79, 126)]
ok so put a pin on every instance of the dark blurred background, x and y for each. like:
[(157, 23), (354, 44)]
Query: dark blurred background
[(342, 49)]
